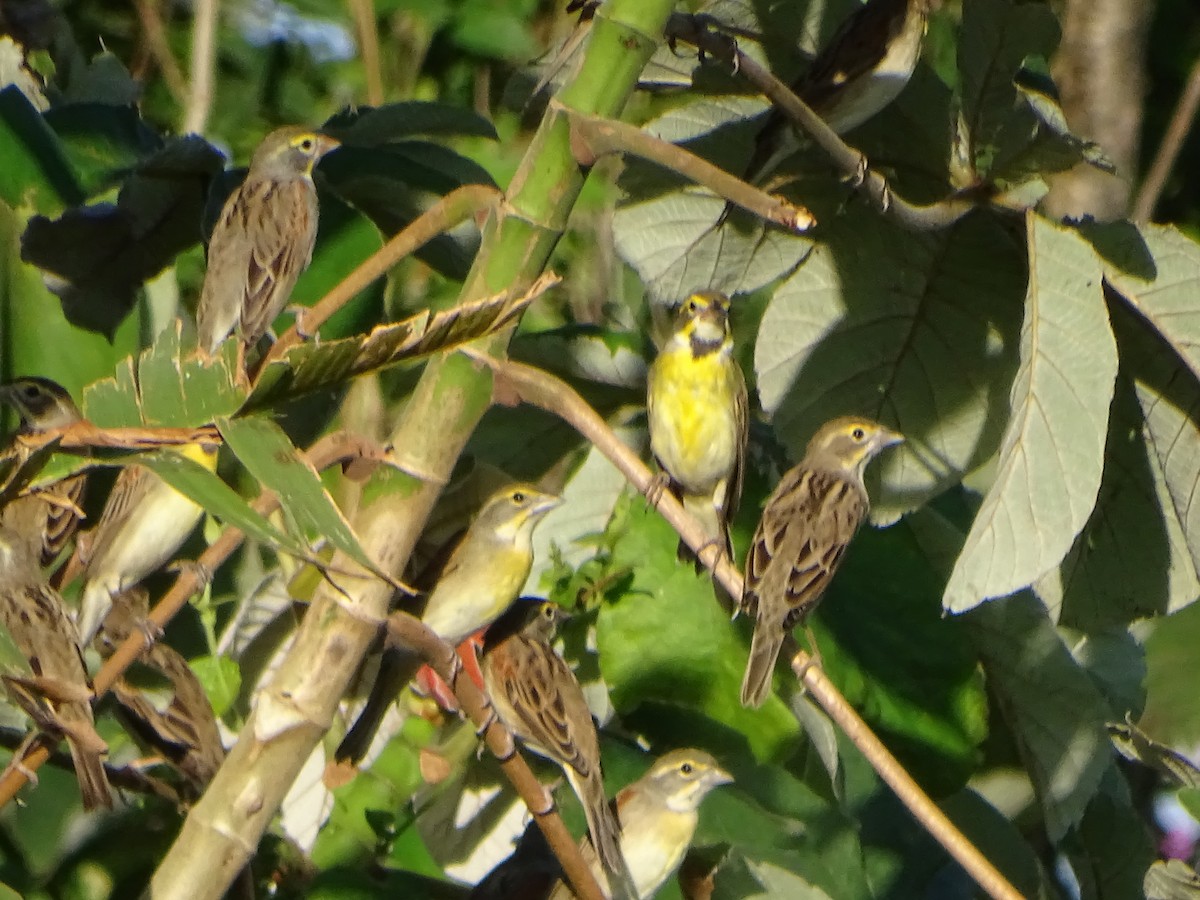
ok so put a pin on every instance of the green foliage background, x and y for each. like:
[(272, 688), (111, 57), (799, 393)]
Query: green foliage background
[(1034, 589)]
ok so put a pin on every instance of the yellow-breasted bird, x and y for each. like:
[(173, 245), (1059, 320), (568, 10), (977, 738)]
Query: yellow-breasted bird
[(57, 694), (263, 239), (658, 813), (53, 511), (535, 694), (145, 521), (863, 68), (806, 526), (482, 576), (697, 407)]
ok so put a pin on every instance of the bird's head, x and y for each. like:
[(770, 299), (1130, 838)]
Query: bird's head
[(41, 403), (850, 442), (511, 513), (533, 617), (290, 151), (702, 320), (683, 778)]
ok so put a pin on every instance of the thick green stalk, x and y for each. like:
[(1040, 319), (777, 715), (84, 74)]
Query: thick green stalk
[(293, 712)]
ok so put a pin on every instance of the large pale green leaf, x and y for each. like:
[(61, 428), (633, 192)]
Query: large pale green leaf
[(1054, 710), (263, 448), (1171, 880), (995, 39), (1052, 454), (918, 330), (1131, 560), (36, 174)]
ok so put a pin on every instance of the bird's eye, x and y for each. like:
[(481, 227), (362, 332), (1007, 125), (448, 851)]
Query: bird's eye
[(686, 768), (31, 391), (519, 497), (307, 145), (858, 434)]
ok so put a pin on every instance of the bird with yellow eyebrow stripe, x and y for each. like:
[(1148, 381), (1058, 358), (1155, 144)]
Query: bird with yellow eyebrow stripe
[(263, 239), (801, 539), (697, 405)]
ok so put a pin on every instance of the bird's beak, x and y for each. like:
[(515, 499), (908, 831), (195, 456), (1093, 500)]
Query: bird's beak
[(718, 776), (546, 503), (888, 438), (325, 143)]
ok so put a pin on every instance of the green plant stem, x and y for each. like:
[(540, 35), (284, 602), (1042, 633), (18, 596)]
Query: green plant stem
[(294, 710)]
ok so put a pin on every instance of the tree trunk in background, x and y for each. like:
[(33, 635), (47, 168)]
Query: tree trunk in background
[(1100, 72)]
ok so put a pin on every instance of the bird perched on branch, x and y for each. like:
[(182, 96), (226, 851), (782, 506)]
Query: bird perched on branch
[(144, 523), (659, 813), (863, 68), (480, 578), (56, 692), (48, 515), (806, 526), (263, 240), (697, 406), (536, 696)]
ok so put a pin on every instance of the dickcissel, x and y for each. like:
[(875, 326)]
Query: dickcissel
[(806, 526), (181, 727), (863, 68), (48, 515), (57, 694), (535, 694), (145, 521), (658, 815), (697, 407), (263, 239), (482, 576)]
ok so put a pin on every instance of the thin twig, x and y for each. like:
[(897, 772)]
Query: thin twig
[(204, 63), (555, 396), (363, 12), (407, 631), (1168, 151), (697, 30), (327, 451), (160, 49), (593, 136)]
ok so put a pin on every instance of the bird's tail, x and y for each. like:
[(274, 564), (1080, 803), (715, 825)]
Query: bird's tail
[(94, 608), (87, 749), (716, 529), (760, 668), (605, 831), (396, 669)]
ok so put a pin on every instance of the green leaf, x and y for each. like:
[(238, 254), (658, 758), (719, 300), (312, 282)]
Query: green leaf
[(36, 174), (1113, 849), (311, 366), (103, 253), (367, 126), (102, 142), (220, 678), (1060, 730), (1052, 455), (905, 327), (36, 334), (209, 491), (263, 448), (668, 640)]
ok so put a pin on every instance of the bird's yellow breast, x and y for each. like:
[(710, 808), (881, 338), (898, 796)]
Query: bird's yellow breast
[(693, 419)]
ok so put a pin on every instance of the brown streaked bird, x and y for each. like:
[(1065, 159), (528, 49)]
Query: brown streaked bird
[(263, 239), (50, 515), (806, 526), (535, 695), (56, 694), (479, 580), (864, 67), (697, 407), (184, 730), (658, 813)]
